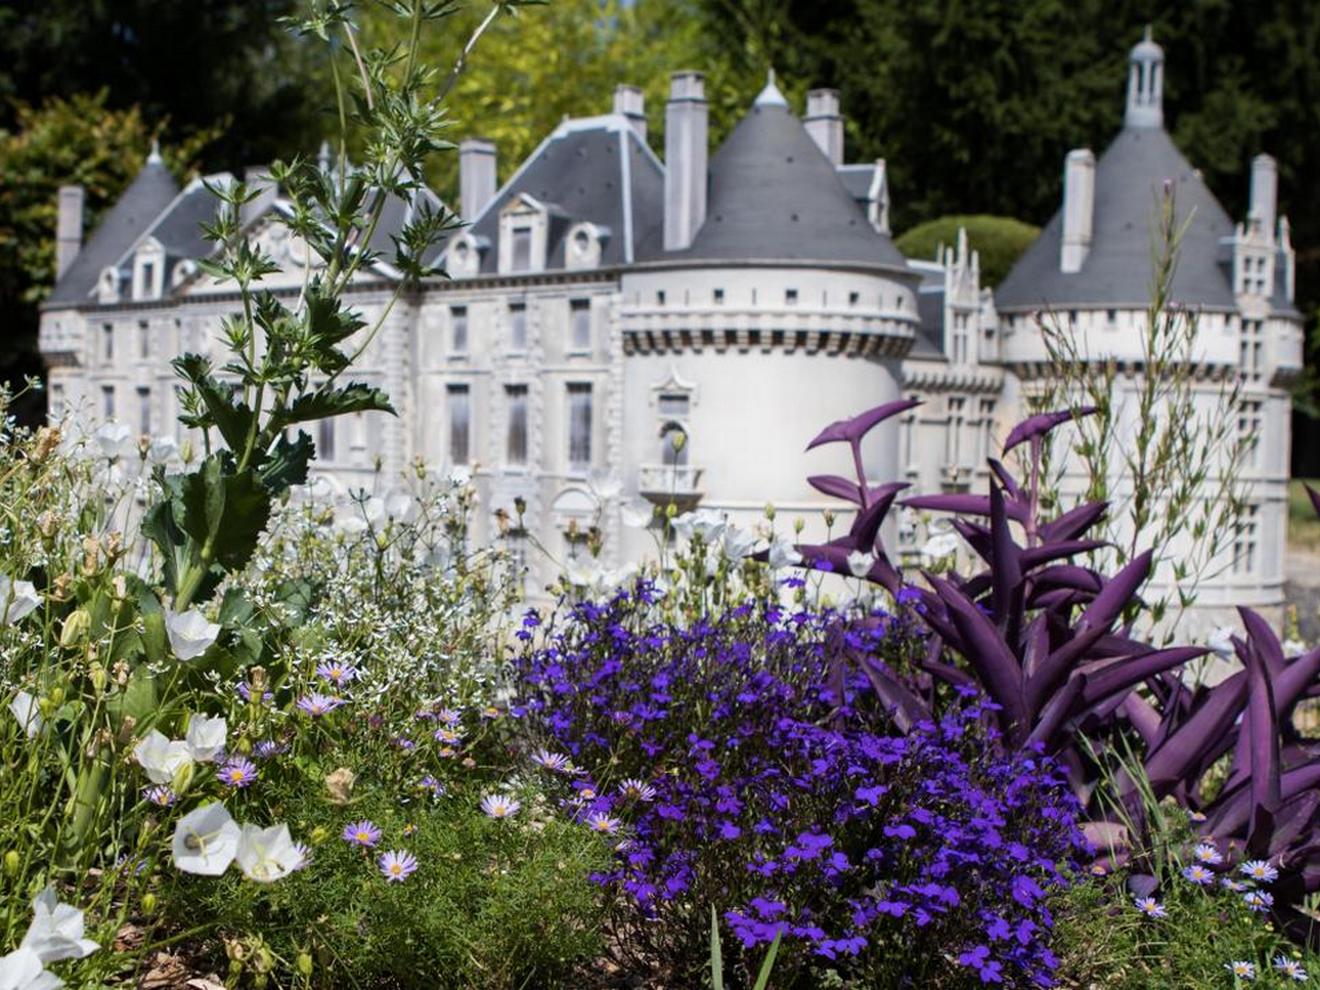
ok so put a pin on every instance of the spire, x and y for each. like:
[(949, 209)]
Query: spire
[(770, 96), (1145, 95), (154, 158)]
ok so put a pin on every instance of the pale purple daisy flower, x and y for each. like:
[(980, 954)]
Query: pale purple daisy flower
[(336, 673), (499, 806), (603, 823), (304, 855), (1207, 854), (1258, 900), (434, 786), (1198, 874), (1290, 968), (397, 865), (1242, 969), (557, 762), (363, 833), (315, 704), (1228, 883), (160, 795), (245, 692), (237, 772), (637, 790), (1150, 907), (1259, 870), (448, 736), (448, 716), (268, 748)]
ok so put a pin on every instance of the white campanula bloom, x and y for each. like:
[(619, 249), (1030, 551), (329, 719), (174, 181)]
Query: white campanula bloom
[(1259, 870), (605, 486), (584, 574), (22, 969), (783, 554), (27, 710), (162, 758), (267, 854), (402, 508), (114, 439), (206, 738), (162, 450), (705, 523), (860, 563), (737, 543), (1221, 641), (190, 633), (637, 515), (17, 599), (940, 545), (56, 931), (205, 841)]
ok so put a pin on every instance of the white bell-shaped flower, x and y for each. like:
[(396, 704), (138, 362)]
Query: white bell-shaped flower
[(267, 854), (17, 599), (190, 633), (22, 969), (206, 737), (205, 841), (56, 931), (28, 712), (162, 758)]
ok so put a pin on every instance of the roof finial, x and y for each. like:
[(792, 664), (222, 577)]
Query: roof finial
[(154, 158), (770, 96), (1145, 96)]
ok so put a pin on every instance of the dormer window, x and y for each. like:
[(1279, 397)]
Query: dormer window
[(522, 249), (584, 245), (107, 288), (463, 256), (149, 270), (524, 223)]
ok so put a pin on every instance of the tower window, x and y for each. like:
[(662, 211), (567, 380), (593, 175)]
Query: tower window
[(108, 341), (718, 297), (144, 410), (790, 297), (325, 444)]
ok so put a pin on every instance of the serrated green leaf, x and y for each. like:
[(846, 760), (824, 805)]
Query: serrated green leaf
[(287, 463), (329, 401), (229, 415)]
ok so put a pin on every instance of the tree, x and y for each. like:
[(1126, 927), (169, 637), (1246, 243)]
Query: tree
[(999, 241)]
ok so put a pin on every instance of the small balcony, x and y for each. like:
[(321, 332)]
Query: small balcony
[(665, 483)]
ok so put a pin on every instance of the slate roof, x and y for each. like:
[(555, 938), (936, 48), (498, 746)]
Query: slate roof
[(774, 196), (857, 180), (595, 169), (146, 196), (178, 229), (1129, 179)]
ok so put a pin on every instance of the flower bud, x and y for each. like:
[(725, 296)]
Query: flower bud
[(799, 524), (186, 451), (828, 515), (48, 438), (148, 903), (182, 778), (244, 746), (57, 695), (98, 676), (12, 862), (75, 627), (770, 511), (319, 835), (305, 963)]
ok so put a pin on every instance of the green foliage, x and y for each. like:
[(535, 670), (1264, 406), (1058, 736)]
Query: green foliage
[(1000, 241)]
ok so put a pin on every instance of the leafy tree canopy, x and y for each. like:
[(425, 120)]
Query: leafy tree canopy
[(1000, 241)]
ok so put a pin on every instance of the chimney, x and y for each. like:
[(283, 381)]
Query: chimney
[(257, 179), (629, 102), (476, 176), (68, 228), (1078, 208), (1264, 193), (824, 123), (685, 159)]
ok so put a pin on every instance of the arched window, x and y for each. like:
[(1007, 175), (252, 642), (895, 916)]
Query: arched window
[(673, 445)]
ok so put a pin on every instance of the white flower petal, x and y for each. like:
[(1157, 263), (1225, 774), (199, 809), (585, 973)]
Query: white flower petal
[(205, 841), (267, 854), (206, 737), (22, 969), (17, 599), (160, 757), (56, 931), (190, 633), (28, 712)]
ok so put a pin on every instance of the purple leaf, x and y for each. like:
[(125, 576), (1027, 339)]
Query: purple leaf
[(1185, 746), (867, 524), (832, 484), (852, 430), (1263, 731), (1073, 523), (1122, 675), (1042, 423), (988, 654), (1035, 556), (1006, 479)]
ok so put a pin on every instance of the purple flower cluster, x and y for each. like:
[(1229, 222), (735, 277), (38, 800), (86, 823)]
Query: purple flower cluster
[(787, 800)]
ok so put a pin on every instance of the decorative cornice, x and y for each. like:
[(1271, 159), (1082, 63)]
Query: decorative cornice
[(832, 343), (933, 376)]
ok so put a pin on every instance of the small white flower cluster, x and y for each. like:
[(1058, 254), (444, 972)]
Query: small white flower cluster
[(207, 840), (56, 933)]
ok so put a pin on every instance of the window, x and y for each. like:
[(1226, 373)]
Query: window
[(325, 444), (148, 279), (516, 447), (954, 441), (660, 297), (790, 297), (673, 445), (522, 249), (958, 343), (1111, 318), (1251, 347), (987, 431), (56, 401), (854, 298), (458, 327), (674, 404), (909, 438), (144, 410), (1249, 421), (580, 314), (579, 426), (1245, 541), (108, 401), (108, 341), (718, 297), (460, 423), (144, 340), (518, 326)]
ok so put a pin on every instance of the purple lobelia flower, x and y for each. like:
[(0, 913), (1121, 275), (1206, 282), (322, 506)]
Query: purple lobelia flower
[(397, 865)]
